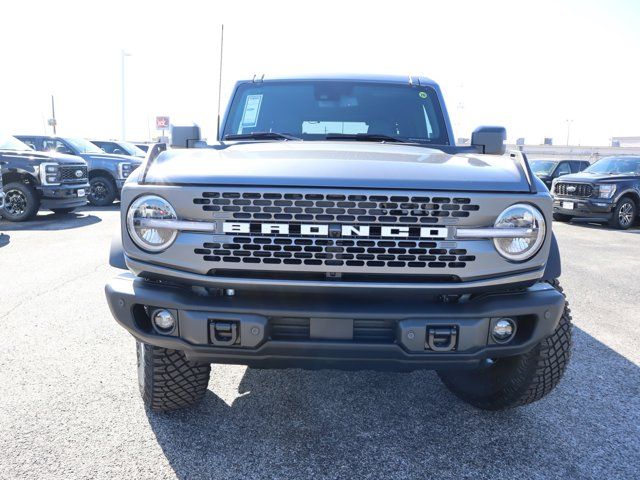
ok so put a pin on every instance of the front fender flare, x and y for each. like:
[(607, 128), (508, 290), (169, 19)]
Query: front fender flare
[(553, 268), (116, 253)]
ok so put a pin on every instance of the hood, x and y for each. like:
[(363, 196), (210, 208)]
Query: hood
[(112, 157), (338, 164), (35, 156), (586, 177)]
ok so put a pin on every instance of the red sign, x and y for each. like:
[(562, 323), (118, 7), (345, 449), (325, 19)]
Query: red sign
[(162, 123)]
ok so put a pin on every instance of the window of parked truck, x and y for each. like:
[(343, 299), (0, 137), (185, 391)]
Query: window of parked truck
[(616, 165), (312, 109)]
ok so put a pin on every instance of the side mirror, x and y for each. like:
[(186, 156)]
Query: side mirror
[(185, 136), (491, 140)]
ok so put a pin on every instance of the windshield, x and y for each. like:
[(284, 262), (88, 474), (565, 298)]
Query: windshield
[(617, 165), (313, 109), (83, 146), (542, 167), (132, 149), (12, 143)]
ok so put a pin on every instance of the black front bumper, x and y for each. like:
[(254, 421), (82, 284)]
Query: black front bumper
[(63, 196), (333, 331), (584, 207)]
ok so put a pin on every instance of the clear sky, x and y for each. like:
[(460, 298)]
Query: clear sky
[(529, 66)]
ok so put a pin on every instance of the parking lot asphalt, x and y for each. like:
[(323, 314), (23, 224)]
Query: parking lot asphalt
[(70, 408)]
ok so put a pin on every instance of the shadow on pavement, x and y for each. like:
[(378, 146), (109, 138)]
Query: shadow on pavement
[(52, 221), (333, 424), (589, 223), (4, 240)]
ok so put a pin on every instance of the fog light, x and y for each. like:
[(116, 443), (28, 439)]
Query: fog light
[(163, 320), (503, 330)]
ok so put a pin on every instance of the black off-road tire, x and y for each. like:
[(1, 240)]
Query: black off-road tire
[(62, 211), (167, 380), (624, 215), (102, 191), (561, 217), (21, 202), (514, 381)]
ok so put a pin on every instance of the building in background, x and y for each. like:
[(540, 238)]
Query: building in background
[(625, 142)]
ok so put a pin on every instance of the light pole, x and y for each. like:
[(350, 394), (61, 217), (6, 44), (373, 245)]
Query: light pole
[(569, 122), (122, 55)]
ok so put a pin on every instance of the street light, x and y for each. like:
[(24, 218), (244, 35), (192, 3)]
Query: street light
[(122, 55), (569, 122)]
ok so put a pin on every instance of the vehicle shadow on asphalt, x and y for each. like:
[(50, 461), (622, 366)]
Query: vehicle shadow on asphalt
[(589, 223), (334, 424), (51, 221)]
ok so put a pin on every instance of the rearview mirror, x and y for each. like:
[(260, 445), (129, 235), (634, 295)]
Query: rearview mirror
[(491, 140)]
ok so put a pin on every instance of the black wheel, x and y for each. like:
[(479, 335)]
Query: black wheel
[(167, 380), (513, 381), (624, 214), (21, 202), (62, 211), (561, 217), (102, 191)]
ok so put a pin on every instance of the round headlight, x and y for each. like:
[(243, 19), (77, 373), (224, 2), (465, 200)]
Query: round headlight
[(522, 248), (147, 235)]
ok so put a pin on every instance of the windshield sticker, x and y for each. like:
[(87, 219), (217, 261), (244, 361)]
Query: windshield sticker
[(422, 94), (251, 111)]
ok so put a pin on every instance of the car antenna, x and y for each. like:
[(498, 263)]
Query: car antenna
[(220, 80)]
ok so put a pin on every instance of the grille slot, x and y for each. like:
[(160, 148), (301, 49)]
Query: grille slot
[(329, 252), (364, 330), (318, 207), (581, 189), (68, 173)]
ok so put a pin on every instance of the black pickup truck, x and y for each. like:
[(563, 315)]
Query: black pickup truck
[(608, 190), (36, 180)]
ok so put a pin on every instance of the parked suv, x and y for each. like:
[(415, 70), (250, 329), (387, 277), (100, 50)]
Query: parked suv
[(548, 170), (337, 225), (609, 190), (119, 148), (107, 173), (34, 180)]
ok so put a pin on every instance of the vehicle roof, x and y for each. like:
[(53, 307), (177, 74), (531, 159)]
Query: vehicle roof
[(380, 78), (557, 160)]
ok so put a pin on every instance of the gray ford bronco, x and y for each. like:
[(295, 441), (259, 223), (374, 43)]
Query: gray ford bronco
[(337, 225)]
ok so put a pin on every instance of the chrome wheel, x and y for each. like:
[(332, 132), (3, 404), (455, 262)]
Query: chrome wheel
[(625, 214), (15, 202)]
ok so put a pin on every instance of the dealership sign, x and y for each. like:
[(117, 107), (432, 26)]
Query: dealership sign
[(162, 123)]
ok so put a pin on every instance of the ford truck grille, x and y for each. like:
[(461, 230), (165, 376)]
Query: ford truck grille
[(68, 173), (573, 189), (294, 250), (318, 207)]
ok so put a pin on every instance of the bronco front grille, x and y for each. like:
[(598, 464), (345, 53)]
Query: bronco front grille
[(328, 252), (573, 189), (68, 173), (318, 207)]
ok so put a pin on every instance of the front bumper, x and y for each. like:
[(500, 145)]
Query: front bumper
[(584, 207), (280, 330), (63, 196)]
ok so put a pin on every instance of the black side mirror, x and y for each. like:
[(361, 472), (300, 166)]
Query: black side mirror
[(185, 136), (491, 140)]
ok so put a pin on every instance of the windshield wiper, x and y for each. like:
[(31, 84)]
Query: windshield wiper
[(260, 136), (365, 137)]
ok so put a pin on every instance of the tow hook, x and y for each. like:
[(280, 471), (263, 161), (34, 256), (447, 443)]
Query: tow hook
[(442, 339), (223, 333)]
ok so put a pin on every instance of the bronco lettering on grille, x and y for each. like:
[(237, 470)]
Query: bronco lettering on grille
[(342, 230)]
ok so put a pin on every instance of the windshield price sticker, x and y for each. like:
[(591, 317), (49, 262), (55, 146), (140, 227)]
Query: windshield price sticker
[(251, 111)]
